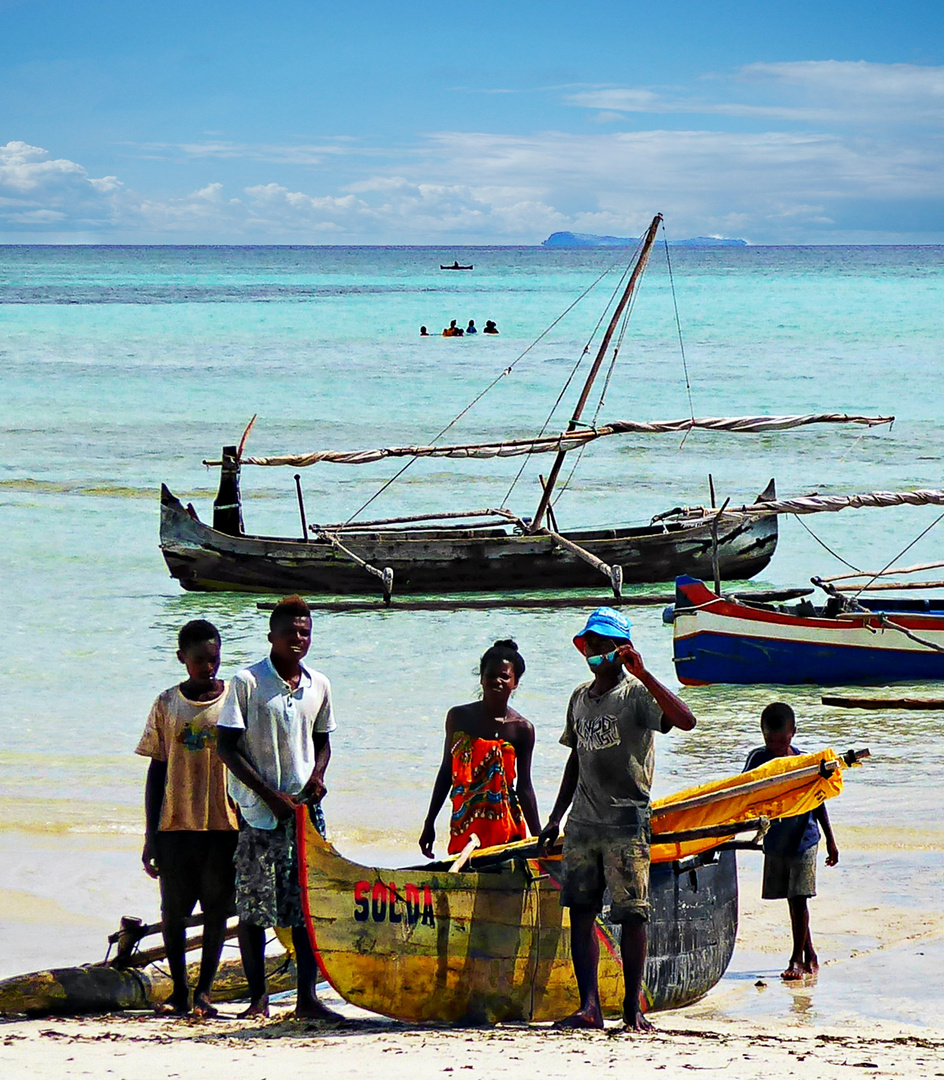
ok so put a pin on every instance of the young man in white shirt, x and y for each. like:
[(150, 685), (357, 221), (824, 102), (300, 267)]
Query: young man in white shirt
[(273, 736)]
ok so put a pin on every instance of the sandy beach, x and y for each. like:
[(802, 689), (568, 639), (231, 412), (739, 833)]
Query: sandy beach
[(875, 1007), (139, 1048)]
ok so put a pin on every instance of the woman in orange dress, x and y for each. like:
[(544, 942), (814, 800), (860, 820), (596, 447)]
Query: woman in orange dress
[(486, 763)]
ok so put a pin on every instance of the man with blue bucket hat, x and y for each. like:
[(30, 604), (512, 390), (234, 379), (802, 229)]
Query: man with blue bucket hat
[(609, 730)]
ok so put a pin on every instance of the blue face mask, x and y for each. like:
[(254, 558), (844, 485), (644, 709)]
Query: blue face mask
[(603, 658)]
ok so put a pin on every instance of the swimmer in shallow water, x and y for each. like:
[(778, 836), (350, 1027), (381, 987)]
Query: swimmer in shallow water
[(490, 327)]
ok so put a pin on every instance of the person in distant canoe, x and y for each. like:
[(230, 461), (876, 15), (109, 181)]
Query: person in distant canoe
[(452, 330), (490, 327), (470, 329), (486, 762), (790, 845), (191, 825), (609, 729), (424, 332), (274, 739)]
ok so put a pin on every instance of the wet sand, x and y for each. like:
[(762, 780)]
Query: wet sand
[(140, 1048)]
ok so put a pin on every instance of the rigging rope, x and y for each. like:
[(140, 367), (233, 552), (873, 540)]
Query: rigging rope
[(908, 547), (507, 371), (586, 349), (624, 326), (678, 325), (823, 544)]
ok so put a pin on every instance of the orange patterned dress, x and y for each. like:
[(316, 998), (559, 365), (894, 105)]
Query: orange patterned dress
[(484, 803)]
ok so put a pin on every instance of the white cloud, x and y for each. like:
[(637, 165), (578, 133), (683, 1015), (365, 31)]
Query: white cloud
[(809, 92), (784, 183), (42, 191), (27, 169), (274, 153)]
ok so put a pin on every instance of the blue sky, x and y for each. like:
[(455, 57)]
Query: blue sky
[(482, 122)]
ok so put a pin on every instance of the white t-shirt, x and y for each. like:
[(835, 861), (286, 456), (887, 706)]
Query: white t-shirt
[(279, 723)]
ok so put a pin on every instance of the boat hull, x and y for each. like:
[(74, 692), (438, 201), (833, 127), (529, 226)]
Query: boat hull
[(104, 988), (448, 561), (422, 945), (722, 641)]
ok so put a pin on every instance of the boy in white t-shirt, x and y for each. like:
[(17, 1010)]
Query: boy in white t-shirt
[(274, 739), (191, 825)]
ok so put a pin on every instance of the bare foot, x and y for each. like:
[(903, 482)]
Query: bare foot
[(314, 1010), (637, 1024), (203, 1009), (173, 1006), (258, 1008), (810, 963), (794, 971), (583, 1018)]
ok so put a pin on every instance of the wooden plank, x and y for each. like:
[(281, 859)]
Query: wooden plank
[(890, 586), (489, 603)]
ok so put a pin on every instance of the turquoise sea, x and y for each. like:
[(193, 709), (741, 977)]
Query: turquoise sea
[(122, 367)]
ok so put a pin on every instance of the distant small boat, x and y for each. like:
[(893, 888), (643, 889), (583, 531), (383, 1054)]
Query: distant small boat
[(717, 640), (456, 266)]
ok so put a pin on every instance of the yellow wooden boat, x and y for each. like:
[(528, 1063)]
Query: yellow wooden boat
[(492, 943)]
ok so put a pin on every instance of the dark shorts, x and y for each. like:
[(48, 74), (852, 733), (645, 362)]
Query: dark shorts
[(268, 892), (599, 859), (196, 867), (790, 876)]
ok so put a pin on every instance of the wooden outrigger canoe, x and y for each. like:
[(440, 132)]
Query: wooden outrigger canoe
[(483, 550), (131, 979), (492, 943), (449, 560), (490, 946)]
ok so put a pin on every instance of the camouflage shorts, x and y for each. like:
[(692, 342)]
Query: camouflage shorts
[(268, 892), (597, 861)]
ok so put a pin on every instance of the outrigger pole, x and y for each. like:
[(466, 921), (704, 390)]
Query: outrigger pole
[(601, 354)]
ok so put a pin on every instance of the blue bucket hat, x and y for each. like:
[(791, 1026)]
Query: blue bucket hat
[(607, 622)]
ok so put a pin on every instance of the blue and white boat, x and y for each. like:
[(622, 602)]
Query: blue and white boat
[(717, 640)]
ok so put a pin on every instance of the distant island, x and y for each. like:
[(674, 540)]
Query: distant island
[(586, 240)]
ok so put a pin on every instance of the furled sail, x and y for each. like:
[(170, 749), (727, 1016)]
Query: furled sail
[(566, 441), (818, 504)]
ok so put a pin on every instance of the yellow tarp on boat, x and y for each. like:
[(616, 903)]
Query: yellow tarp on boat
[(783, 787)]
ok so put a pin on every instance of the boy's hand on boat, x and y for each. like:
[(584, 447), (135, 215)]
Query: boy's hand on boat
[(427, 838), (548, 837), (149, 858), (283, 806), (314, 791)]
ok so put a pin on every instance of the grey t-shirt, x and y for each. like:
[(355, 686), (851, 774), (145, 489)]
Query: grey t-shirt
[(612, 735)]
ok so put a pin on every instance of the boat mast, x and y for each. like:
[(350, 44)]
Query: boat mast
[(588, 385)]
